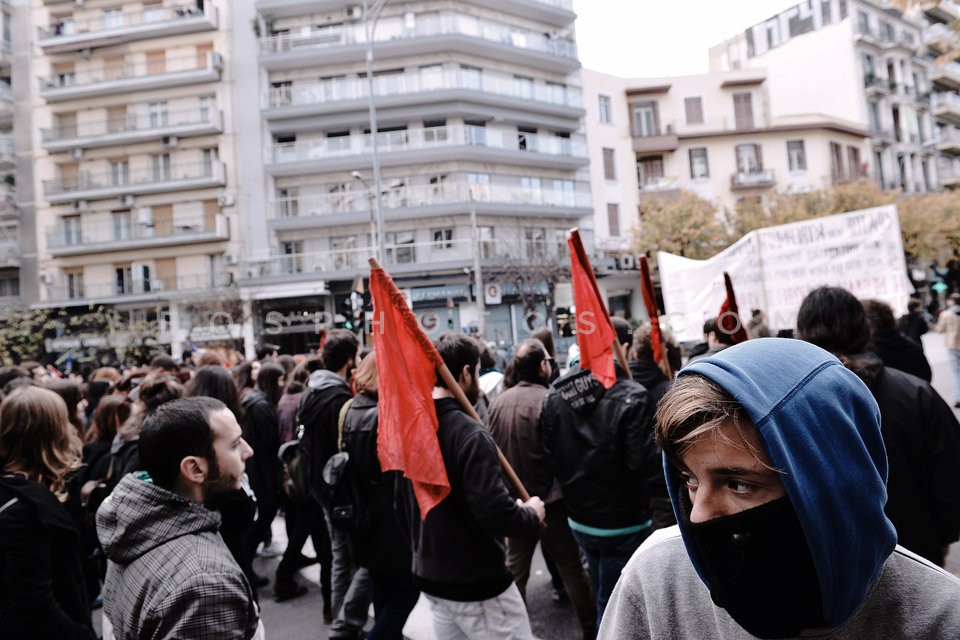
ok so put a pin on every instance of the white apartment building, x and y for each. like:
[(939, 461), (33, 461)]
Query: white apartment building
[(864, 62), (479, 119), (11, 254), (714, 135), (133, 185)]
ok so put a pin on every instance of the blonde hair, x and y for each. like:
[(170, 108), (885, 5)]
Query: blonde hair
[(36, 437), (365, 377)]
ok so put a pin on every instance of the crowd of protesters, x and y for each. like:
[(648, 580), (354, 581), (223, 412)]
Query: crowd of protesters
[(150, 491)]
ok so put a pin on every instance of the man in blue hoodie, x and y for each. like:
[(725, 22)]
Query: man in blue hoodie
[(776, 470)]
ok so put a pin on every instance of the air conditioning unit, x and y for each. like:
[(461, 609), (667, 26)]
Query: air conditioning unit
[(145, 216), (170, 141), (80, 205), (127, 200), (46, 277), (76, 153), (353, 12), (225, 200), (231, 259)]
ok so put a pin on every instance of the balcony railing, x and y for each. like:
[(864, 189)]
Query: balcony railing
[(454, 252), (152, 288), (429, 138), (9, 252), (8, 155), (91, 185), (394, 28), (428, 195), (947, 103), (660, 184), (338, 90), (948, 74), (130, 231), (751, 179), (131, 76), (114, 27), (132, 127)]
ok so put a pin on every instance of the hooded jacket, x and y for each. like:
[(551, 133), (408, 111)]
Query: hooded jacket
[(319, 414), (820, 426), (169, 573)]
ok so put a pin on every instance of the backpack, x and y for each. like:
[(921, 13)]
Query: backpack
[(347, 511), (296, 481)]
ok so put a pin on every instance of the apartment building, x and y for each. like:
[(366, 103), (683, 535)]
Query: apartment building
[(11, 256), (712, 134), (479, 118), (133, 183), (864, 62)]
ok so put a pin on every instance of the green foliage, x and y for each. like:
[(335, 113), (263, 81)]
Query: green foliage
[(687, 225)]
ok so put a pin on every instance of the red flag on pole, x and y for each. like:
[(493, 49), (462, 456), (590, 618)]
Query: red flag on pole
[(657, 343), (728, 320), (406, 373), (595, 334)]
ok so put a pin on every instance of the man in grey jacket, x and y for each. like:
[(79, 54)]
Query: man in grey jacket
[(169, 574)]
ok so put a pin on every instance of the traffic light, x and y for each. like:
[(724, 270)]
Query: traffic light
[(352, 311)]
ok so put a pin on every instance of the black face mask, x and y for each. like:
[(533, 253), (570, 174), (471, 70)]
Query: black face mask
[(759, 568)]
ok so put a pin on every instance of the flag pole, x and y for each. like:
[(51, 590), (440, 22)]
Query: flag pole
[(454, 387)]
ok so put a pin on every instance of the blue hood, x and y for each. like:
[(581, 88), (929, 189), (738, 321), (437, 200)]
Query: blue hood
[(820, 426)]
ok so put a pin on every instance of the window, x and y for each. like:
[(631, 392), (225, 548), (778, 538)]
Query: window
[(479, 186), (563, 144), (471, 77), (9, 287), (613, 218), (609, 164), (293, 258), (442, 238), (523, 87), (649, 170), (119, 172), (476, 132), (72, 234), (527, 138), (487, 246), (288, 202), (203, 107), (874, 115), (556, 93), (120, 225), (111, 18), (699, 169), (281, 93), (694, 110), (434, 130), (152, 12), (158, 114), (530, 189), (743, 110), (605, 109), (344, 250), (645, 121), (210, 159), (863, 22), (853, 163), (331, 88), (749, 159), (160, 167), (431, 77), (837, 171), (400, 247), (564, 193), (796, 156), (74, 281), (338, 140), (535, 240), (124, 279)]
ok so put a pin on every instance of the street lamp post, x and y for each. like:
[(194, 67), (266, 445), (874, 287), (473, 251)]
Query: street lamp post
[(371, 207), (371, 14)]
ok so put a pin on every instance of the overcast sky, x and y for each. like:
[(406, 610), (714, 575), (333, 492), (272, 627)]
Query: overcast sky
[(649, 38)]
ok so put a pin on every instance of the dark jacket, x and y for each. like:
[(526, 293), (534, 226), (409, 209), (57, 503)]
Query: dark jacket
[(922, 439), (650, 377), (319, 414), (600, 444), (900, 352), (261, 432), (379, 544), (515, 426), (914, 325), (42, 594), (458, 550)]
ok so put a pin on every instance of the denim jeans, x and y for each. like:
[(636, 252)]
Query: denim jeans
[(394, 597), (500, 618), (954, 356), (350, 595), (606, 558)]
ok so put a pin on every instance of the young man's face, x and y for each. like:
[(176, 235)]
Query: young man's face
[(726, 473), (231, 452)]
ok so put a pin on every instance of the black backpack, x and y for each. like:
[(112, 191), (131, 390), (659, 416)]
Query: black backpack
[(347, 510)]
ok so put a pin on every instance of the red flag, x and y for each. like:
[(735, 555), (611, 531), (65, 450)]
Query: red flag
[(728, 320), (406, 373), (657, 343), (595, 334)]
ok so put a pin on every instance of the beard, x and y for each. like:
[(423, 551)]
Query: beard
[(473, 391), (217, 484)]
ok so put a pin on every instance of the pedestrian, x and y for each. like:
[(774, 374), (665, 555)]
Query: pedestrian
[(949, 324), (913, 323), (169, 574), (459, 560), (600, 444), (921, 433), (715, 340), (377, 541), (43, 595), (757, 325), (643, 368), (776, 468), (515, 427), (894, 348)]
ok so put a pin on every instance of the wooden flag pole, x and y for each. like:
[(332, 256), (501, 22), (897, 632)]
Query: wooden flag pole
[(454, 387), (621, 358)]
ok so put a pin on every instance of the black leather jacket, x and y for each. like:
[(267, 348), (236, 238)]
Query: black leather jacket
[(600, 443)]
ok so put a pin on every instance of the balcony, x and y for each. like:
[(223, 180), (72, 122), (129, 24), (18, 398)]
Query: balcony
[(656, 144), (110, 29), (559, 12), (947, 107), (9, 252), (409, 258), (132, 129), (939, 36), (395, 36), (8, 208), (942, 11), (8, 156), (131, 77), (660, 187), (948, 141), (875, 85), (6, 105), (312, 98), (134, 234), (137, 290), (434, 144), (425, 201), (752, 180), (93, 186), (947, 75)]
